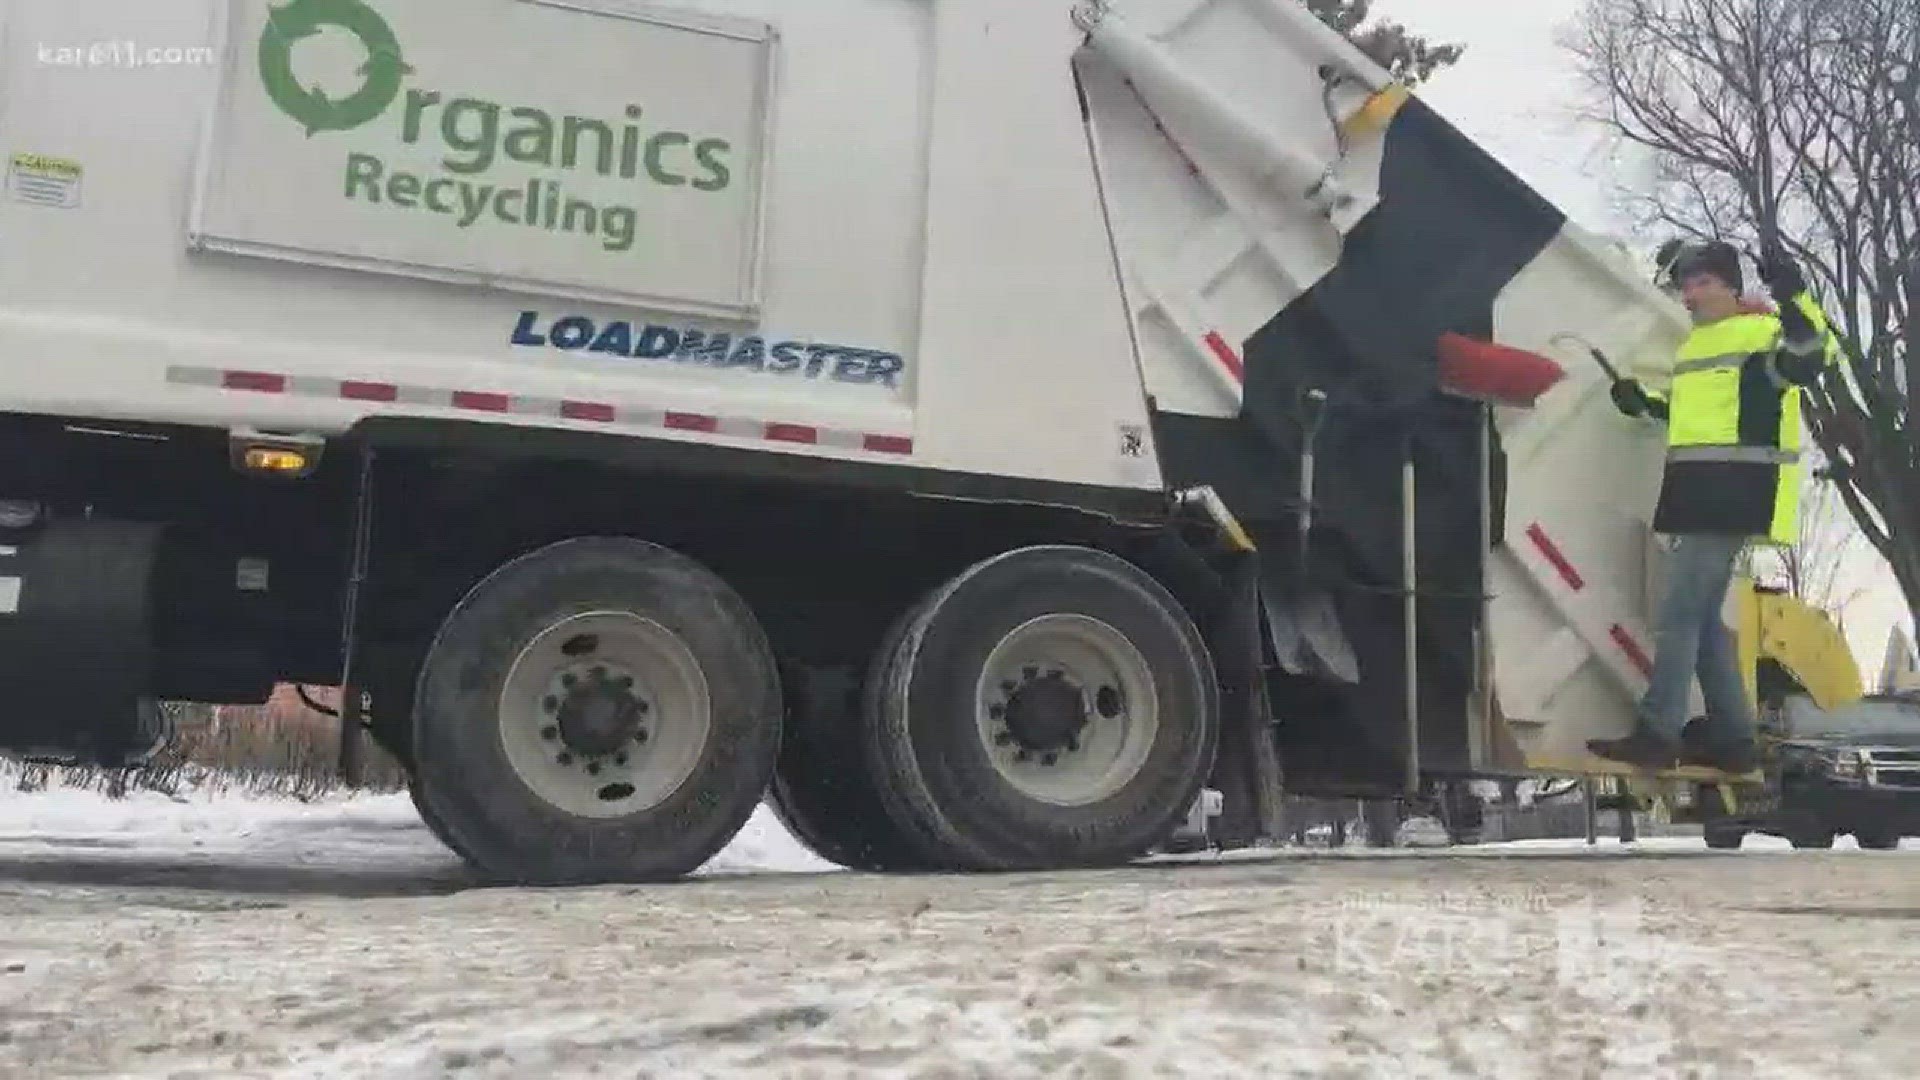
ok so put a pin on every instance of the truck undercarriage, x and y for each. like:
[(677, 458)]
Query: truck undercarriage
[(350, 572)]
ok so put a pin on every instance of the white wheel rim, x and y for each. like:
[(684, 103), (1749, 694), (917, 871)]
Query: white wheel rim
[(1052, 662), (560, 692)]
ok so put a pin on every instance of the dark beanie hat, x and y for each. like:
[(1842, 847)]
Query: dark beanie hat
[(1719, 259)]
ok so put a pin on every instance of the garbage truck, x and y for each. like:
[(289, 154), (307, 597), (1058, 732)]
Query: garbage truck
[(1068, 421)]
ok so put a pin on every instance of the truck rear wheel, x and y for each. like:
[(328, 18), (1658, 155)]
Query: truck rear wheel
[(599, 710), (822, 791), (1051, 707)]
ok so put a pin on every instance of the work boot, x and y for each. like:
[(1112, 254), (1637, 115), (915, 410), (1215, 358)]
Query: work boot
[(1644, 749)]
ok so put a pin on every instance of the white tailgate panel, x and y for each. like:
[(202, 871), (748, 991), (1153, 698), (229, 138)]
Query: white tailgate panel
[(1571, 621)]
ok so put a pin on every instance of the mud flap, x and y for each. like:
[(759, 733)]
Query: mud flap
[(76, 653), (1247, 770)]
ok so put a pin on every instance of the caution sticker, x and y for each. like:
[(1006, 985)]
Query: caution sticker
[(44, 181)]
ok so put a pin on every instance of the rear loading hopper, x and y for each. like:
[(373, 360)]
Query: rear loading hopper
[(1293, 228)]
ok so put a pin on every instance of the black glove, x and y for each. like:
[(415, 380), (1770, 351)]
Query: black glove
[(1802, 354), (1782, 275), (1798, 329), (1800, 369), (1630, 399)]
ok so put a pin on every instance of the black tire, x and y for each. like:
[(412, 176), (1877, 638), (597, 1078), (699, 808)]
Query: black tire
[(488, 808), (1874, 840), (925, 747), (1720, 838), (434, 825), (822, 791)]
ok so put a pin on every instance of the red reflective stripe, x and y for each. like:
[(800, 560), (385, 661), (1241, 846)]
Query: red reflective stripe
[(254, 380), (369, 391), (597, 412), (1539, 537), (587, 410), (1228, 358), (680, 421), (793, 433), (1632, 648), (484, 402), (887, 444)]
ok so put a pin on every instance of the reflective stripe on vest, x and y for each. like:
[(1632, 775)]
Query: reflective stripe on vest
[(1744, 455), (1710, 363)]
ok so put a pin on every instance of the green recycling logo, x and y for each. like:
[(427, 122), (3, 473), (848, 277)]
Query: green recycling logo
[(381, 74)]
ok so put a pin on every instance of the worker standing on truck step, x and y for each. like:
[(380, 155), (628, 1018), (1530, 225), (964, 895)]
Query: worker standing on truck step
[(1732, 476)]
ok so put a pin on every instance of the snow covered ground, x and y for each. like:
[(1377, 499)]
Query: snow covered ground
[(371, 834), (233, 936)]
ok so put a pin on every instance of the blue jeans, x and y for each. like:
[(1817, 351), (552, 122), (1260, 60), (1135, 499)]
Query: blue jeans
[(1690, 639)]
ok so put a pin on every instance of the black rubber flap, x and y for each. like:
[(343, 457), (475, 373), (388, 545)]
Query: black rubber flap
[(75, 652)]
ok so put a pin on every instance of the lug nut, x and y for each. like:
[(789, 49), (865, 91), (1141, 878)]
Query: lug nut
[(564, 758), (1030, 672), (620, 758), (1073, 744), (1050, 759), (569, 680), (593, 768), (640, 736), (549, 732), (624, 682), (1003, 739), (996, 711), (552, 704), (1021, 755)]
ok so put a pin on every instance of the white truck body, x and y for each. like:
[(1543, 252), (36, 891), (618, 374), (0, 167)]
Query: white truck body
[(1079, 245), (867, 214)]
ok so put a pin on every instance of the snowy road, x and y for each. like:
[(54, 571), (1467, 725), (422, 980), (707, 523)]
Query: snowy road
[(238, 938)]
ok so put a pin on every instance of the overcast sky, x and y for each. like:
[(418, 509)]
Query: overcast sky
[(1516, 92)]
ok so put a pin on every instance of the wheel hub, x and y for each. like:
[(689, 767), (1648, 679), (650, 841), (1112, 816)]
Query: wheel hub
[(1066, 709), (599, 712), (604, 714), (1046, 713)]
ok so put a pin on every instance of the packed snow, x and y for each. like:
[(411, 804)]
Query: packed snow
[(373, 832), (227, 935)]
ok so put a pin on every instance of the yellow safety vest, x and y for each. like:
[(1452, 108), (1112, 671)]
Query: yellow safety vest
[(1733, 431)]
